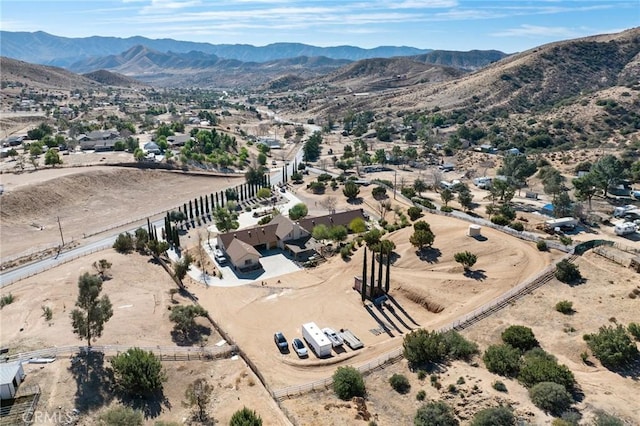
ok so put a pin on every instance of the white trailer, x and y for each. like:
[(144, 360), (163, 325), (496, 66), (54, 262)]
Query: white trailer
[(563, 222), (350, 339), (316, 339), (625, 228)]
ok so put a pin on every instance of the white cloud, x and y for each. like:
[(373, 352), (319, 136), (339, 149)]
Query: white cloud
[(422, 4), (536, 31), (168, 6)]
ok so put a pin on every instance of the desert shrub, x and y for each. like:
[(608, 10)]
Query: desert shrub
[(435, 413), (124, 243), (348, 382), (421, 395), (567, 272), (460, 381), (138, 372), (324, 177), (539, 366), (519, 337), (502, 359), (602, 418), (264, 193), (564, 307), (400, 383), (542, 245), (245, 417), (379, 192), (298, 211), (414, 212), (466, 259), (422, 346), (550, 397), (47, 312), (345, 252), (121, 416), (565, 240), (7, 299), (499, 386), (408, 192), (500, 220), (452, 388), (495, 416), (612, 346), (446, 209), (518, 226), (634, 329), (422, 374), (458, 347)]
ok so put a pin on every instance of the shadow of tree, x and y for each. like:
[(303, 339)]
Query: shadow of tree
[(93, 381), (150, 405), (192, 337), (355, 201), (429, 254), (381, 323), (478, 274), (401, 309)]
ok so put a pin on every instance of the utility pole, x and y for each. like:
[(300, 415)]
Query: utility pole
[(60, 228), (395, 179)]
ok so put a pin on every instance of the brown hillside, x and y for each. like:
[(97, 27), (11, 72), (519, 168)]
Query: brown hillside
[(14, 71)]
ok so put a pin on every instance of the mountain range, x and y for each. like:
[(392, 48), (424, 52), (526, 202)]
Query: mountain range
[(46, 49)]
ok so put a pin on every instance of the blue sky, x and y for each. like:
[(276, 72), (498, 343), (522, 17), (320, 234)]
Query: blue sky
[(506, 25)]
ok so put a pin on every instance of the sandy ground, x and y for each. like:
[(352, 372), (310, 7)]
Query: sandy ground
[(88, 201)]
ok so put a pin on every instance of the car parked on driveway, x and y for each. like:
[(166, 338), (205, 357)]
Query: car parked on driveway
[(281, 341), (299, 347), (333, 337)]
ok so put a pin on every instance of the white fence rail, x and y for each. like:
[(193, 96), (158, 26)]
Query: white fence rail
[(165, 353)]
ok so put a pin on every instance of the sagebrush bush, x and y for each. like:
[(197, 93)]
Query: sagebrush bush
[(502, 359), (550, 397), (348, 382), (564, 307), (494, 416), (400, 383), (499, 386), (421, 395), (519, 337), (567, 272), (542, 245), (612, 346)]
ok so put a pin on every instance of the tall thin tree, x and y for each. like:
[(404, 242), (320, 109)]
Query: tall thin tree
[(388, 277), (363, 289), (373, 276)]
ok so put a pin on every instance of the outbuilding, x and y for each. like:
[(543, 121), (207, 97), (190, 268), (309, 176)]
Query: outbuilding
[(11, 375)]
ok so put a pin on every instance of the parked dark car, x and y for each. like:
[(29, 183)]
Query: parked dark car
[(281, 341)]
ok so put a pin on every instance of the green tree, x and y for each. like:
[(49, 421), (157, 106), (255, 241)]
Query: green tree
[(358, 225), (436, 413), (414, 212), (184, 319), (502, 190), (604, 419), (539, 366), (466, 259), (226, 218), (264, 193), (138, 154), (567, 272), (400, 383), (137, 372), (550, 397), (421, 238), (298, 211), (311, 149), (320, 232), (372, 237), (446, 196), (502, 359), (255, 175), (198, 396), (245, 417), (585, 187), (607, 171), (612, 346), (379, 192), (351, 190), (348, 382), (519, 337), (518, 168), (52, 158), (338, 233), (121, 416), (123, 243), (420, 186), (380, 156), (262, 158), (92, 311), (494, 416), (465, 198), (182, 266)]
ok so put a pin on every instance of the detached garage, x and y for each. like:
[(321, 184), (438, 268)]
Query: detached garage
[(11, 375)]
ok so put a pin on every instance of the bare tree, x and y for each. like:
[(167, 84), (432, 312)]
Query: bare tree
[(329, 203)]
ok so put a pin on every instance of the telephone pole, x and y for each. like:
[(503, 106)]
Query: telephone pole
[(60, 228)]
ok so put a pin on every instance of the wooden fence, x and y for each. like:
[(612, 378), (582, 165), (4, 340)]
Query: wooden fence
[(164, 353)]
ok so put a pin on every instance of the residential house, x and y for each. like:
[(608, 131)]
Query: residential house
[(152, 148), (272, 143)]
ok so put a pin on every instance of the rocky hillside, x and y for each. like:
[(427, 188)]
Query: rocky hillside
[(19, 73), (112, 79)]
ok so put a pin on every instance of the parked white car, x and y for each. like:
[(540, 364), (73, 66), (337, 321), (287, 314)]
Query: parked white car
[(333, 337)]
